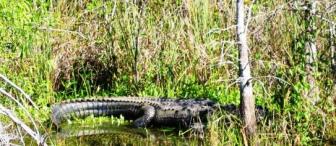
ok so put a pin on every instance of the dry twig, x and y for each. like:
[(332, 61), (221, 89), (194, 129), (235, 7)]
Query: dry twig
[(19, 89), (37, 137)]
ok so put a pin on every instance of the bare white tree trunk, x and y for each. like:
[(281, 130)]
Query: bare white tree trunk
[(247, 102), (311, 51), (332, 43)]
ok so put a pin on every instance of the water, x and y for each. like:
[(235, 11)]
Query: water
[(120, 135)]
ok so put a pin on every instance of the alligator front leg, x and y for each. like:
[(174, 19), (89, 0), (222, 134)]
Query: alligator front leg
[(198, 129), (143, 121)]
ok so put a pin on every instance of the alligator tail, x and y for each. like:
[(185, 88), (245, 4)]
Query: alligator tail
[(63, 111)]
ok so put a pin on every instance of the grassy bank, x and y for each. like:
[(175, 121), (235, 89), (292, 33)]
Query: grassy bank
[(58, 50)]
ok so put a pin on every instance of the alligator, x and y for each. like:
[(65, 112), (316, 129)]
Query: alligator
[(143, 111)]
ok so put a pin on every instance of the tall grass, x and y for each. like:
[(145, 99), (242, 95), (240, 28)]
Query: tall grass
[(63, 49)]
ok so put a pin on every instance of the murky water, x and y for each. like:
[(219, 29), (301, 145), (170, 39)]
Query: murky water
[(120, 135)]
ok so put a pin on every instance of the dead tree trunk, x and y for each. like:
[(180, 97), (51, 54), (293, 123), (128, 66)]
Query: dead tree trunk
[(247, 102), (332, 43), (311, 51)]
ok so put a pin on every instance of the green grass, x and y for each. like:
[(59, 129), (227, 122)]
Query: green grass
[(71, 49)]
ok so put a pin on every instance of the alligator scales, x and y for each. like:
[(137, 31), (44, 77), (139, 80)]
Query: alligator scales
[(143, 111)]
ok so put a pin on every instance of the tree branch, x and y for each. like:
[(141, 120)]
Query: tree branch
[(37, 137), (19, 89)]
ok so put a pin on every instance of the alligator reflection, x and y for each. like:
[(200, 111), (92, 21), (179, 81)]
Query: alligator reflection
[(118, 135)]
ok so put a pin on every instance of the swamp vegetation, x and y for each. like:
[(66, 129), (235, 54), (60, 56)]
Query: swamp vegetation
[(67, 49)]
